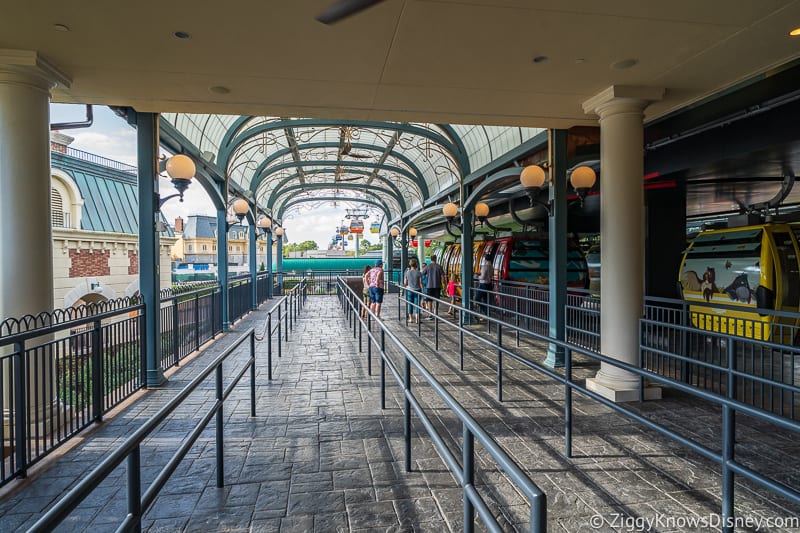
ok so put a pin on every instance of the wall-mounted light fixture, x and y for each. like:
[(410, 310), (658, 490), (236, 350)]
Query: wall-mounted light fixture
[(450, 210), (181, 170), (582, 180), (533, 177), (240, 207), (482, 216), (264, 223)]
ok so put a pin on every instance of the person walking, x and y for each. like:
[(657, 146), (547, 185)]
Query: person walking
[(434, 287), (484, 286), (375, 276), (413, 281), (452, 287), (365, 291)]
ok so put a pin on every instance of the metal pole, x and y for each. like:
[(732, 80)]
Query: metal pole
[(269, 345), (568, 403), (280, 324), (97, 371), (407, 413), (728, 443), (135, 487), (499, 361), (21, 408), (468, 462), (175, 340), (369, 346), (253, 373), (461, 340), (220, 442)]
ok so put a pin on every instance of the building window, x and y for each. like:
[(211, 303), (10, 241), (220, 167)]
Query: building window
[(56, 208), (214, 248), (189, 248), (230, 248), (205, 247)]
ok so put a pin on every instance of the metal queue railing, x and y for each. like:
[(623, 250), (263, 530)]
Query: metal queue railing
[(727, 399), (463, 471), (690, 342), (130, 450), (285, 311), (61, 371)]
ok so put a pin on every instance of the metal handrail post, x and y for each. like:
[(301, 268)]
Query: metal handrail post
[(436, 332), (286, 317), (280, 324), (220, 441), (568, 402), (407, 410), (197, 318), (97, 371), (461, 319), (269, 345), (383, 382), (369, 346), (21, 414), (134, 464), (468, 475), (253, 374), (175, 355), (499, 361), (728, 443)]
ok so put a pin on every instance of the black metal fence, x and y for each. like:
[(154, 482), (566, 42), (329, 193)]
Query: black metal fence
[(319, 282), (61, 371), (188, 320)]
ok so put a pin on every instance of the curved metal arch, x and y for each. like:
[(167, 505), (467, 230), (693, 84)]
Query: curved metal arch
[(490, 180), (316, 163), (292, 203), (371, 190), (232, 138), (419, 215), (420, 181), (398, 194)]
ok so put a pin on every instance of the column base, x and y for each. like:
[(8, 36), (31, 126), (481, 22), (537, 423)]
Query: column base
[(555, 357), (621, 395), (155, 378)]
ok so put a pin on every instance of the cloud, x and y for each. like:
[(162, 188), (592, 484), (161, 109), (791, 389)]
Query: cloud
[(119, 145)]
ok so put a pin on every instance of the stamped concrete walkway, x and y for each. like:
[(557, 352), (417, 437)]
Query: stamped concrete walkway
[(321, 455)]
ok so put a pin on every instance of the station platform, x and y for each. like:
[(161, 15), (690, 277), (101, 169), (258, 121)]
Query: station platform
[(321, 454)]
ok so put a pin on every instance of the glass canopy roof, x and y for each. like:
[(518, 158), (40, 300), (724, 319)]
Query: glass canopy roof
[(397, 166)]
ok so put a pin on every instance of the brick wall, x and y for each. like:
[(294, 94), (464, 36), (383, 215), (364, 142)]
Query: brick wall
[(85, 263), (133, 260)]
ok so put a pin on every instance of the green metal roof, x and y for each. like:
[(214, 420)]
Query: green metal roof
[(109, 192)]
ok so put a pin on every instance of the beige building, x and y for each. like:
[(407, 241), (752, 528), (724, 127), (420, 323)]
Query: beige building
[(94, 210)]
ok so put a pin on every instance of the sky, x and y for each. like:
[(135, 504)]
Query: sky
[(111, 137)]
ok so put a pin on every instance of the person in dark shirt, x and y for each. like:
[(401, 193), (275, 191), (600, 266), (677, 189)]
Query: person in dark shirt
[(434, 286)]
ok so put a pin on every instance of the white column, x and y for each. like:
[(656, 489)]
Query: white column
[(621, 112), (26, 237)]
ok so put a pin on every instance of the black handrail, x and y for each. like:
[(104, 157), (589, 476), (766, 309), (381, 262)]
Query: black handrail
[(130, 449), (472, 430)]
